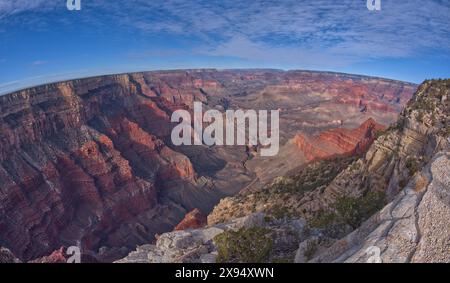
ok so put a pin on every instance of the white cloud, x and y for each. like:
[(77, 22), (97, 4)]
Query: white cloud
[(13, 7), (39, 63), (342, 31), (243, 48)]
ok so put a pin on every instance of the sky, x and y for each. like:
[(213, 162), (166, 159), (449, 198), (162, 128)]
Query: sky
[(42, 41)]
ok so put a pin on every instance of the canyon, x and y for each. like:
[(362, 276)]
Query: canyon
[(90, 162)]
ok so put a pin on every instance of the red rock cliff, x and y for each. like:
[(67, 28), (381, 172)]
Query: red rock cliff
[(339, 141), (193, 220), (79, 162)]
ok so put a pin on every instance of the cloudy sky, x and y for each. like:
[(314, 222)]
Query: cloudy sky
[(42, 41)]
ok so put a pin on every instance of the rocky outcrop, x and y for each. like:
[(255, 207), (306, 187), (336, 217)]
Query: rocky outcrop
[(58, 256), (414, 227), (199, 245), (64, 255), (6, 256), (339, 141), (193, 220)]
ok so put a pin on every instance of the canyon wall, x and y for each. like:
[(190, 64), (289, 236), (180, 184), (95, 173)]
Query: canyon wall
[(339, 141)]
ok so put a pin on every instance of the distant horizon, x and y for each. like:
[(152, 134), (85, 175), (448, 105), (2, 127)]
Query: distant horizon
[(6, 92)]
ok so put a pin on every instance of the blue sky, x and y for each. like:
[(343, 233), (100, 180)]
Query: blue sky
[(41, 41)]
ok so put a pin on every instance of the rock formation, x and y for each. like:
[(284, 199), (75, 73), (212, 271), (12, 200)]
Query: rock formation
[(339, 141), (6, 256), (414, 227), (193, 220), (200, 245), (58, 256)]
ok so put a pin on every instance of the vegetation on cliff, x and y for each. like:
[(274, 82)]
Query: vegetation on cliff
[(281, 198), (244, 245)]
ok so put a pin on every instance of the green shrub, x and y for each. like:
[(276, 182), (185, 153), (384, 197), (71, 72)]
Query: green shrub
[(349, 210), (412, 164), (322, 220), (251, 245), (267, 218), (353, 211), (279, 212)]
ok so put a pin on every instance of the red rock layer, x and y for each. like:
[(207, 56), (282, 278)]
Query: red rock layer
[(363, 92), (80, 162), (192, 220), (58, 256), (339, 141), (61, 256)]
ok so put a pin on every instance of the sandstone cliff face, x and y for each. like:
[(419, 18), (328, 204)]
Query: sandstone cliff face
[(80, 162), (339, 141), (193, 220), (89, 162)]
